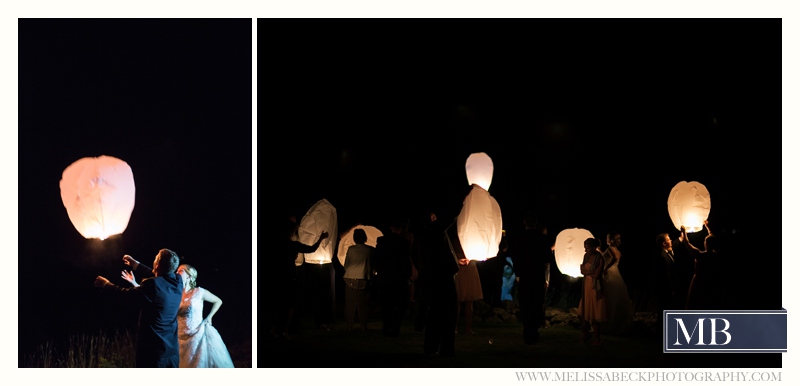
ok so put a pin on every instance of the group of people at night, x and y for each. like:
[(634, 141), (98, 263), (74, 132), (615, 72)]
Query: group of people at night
[(427, 269)]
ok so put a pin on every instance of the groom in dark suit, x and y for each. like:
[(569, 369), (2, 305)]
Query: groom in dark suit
[(532, 254), (159, 298), (665, 276)]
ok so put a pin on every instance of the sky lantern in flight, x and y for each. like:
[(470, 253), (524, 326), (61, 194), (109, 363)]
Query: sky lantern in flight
[(689, 205), (320, 217), (569, 250), (347, 240), (99, 195), (480, 223)]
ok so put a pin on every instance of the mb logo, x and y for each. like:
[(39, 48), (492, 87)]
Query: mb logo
[(703, 329), (725, 331)]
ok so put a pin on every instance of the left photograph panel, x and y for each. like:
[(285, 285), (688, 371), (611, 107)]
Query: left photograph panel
[(135, 193)]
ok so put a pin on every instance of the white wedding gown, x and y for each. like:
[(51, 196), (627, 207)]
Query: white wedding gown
[(619, 307), (200, 344)]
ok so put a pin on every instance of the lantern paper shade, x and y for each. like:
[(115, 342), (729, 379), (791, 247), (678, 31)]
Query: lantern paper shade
[(99, 195), (347, 240), (689, 205), (320, 217), (569, 250), (480, 170), (480, 225)]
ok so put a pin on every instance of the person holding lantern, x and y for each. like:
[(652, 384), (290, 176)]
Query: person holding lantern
[(160, 298), (439, 265), (285, 290), (701, 288), (592, 306), (357, 272), (201, 345)]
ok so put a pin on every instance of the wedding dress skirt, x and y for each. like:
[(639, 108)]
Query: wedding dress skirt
[(618, 304), (200, 344)]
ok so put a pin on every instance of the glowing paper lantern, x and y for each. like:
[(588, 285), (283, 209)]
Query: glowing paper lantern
[(99, 194), (480, 225), (320, 217), (569, 250), (479, 170), (347, 240), (689, 204)]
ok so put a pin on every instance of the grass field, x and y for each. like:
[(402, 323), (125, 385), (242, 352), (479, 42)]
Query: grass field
[(495, 345)]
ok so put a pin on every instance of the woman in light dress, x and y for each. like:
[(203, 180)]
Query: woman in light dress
[(468, 288), (592, 307), (619, 307), (200, 343)]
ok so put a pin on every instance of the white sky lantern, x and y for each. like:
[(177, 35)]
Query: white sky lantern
[(320, 217), (347, 240), (689, 205), (569, 250), (480, 170), (480, 223), (99, 195)]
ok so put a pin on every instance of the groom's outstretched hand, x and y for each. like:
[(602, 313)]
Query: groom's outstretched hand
[(129, 260), (100, 281)]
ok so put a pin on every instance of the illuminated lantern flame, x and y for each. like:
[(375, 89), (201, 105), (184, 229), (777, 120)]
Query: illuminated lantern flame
[(320, 217), (689, 205), (479, 170), (480, 223), (99, 195), (569, 250), (347, 240)]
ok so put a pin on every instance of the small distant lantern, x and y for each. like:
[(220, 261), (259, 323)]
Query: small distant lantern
[(347, 240), (689, 205), (320, 217), (99, 195), (569, 250), (480, 223)]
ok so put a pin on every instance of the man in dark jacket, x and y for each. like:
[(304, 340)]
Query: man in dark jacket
[(159, 298), (439, 265), (532, 256), (393, 263)]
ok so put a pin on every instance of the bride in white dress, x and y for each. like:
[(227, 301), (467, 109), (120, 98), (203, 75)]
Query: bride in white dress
[(200, 343), (619, 307)]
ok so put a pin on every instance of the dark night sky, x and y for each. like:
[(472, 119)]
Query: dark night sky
[(589, 123), (172, 98), (633, 106)]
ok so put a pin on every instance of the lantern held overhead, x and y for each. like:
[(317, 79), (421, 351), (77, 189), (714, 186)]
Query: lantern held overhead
[(689, 204), (99, 195), (320, 217), (569, 250), (480, 223)]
